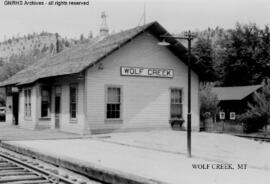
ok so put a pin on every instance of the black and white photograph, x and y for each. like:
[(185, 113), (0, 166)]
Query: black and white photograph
[(134, 92)]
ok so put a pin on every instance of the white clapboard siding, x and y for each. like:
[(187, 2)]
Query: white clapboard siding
[(28, 122), (9, 114), (66, 124), (145, 100)]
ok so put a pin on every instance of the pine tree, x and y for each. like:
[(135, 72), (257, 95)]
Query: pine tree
[(203, 50), (247, 56)]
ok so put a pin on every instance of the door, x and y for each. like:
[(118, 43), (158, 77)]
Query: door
[(57, 105), (57, 111), (15, 108)]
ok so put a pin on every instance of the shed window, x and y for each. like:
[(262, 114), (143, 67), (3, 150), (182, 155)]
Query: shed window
[(232, 115), (222, 115), (113, 103), (45, 102), (27, 102), (176, 104), (73, 101)]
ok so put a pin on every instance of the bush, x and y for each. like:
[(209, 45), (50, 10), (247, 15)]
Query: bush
[(259, 112), (251, 121), (177, 124), (208, 102)]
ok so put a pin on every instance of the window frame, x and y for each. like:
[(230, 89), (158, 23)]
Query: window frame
[(182, 103), (222, 115), (49, 102), (27, 92), (73, 85), (116, 120), (232, 115)]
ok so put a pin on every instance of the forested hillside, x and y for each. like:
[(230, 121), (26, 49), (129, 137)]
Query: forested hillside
[(17, 53), (239, 56)]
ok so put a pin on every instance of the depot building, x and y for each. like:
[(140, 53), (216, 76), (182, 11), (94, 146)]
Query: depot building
[(120, 82)]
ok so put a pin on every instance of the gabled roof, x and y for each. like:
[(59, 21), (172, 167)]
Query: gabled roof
[(235, 93), (78, 58)]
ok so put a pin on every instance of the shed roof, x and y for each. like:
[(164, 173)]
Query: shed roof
[(78, 58), (235, 92)]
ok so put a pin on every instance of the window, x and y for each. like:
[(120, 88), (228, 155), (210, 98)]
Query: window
[(221, 115), (176, 104), (27, 102), (73, 101), (113, 106), (232, 115), (45, 102)]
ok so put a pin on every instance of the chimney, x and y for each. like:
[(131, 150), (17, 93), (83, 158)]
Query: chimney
[(104, 30)]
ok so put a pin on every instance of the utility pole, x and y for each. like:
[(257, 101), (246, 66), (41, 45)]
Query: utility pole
[(189, 37)]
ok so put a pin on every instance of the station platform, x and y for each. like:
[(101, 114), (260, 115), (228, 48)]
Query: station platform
[(12, 132), (156, 157)]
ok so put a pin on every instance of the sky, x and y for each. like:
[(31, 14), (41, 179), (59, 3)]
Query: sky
[(175, 15)]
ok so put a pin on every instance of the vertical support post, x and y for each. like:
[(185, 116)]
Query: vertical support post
[(223, 126), (189, 38), (57, 49)]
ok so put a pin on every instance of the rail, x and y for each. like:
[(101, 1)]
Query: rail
[(16, 169), (256, 138)]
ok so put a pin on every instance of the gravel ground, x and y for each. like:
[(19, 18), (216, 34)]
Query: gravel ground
[(161, 155)]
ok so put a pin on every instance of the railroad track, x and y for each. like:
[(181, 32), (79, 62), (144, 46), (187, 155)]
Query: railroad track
[(18, 169), (256, 138)]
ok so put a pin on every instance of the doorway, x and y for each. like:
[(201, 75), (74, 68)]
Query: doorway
[(57, 106), (15, 108), (57, 111)]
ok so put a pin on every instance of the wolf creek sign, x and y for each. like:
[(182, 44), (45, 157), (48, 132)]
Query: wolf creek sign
[(146, 72)]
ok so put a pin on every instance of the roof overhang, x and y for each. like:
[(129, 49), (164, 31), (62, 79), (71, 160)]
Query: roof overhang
[(179, 50)]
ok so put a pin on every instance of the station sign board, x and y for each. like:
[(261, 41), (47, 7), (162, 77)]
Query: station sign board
[(146, 72)]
